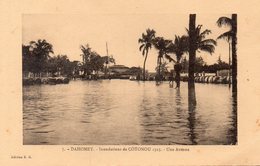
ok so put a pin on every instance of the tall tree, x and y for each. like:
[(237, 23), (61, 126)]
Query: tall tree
[(96, 62), (198, 42), (163, 46), (234, 54), (192, 57), (60, 64), (107, 60), (41, 50), (27, 59), (192, 49), (86, 52), (178, 47), (231, 35), (164, 68), (146, 44)]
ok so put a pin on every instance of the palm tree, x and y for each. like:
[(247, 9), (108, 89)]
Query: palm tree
[(192, 59), (163, 46), (198, 42), (41, 50), (86, 53), (164, 68), (227, 36), (203, 44), (146, 43), (107, 60), (179, 47), (27, 59), (231, 35)]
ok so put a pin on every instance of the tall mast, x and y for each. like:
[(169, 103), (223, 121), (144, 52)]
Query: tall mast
[(107, 59), (107, 49)]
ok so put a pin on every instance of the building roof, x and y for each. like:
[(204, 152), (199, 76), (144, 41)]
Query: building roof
[(119, 67)]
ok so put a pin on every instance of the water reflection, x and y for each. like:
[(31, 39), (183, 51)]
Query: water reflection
[(192, 111), (233, 130), (126, 112)]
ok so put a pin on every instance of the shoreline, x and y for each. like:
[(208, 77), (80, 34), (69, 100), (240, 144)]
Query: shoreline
[(66, 80)]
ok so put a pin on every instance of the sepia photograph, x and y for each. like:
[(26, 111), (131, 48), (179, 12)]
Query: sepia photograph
[(129, 79), (129, 83)]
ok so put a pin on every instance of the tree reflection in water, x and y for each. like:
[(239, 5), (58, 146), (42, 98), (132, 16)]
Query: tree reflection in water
[(232, 132), (234, 97), (192, 111)]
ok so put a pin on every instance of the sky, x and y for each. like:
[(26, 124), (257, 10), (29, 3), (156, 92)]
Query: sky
[(66, 32)]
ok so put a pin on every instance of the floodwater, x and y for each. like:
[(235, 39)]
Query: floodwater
[(123, 112)]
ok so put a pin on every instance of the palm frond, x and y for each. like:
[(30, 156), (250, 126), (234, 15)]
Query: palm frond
[(40, 41), (207, 48), (224, 21), (171, 48), (140, 40), (169, 58), (205, 32), (149, 46), (143, 36), (141, 47), (208, 42), (143, 52), (32, 42), (180, 45), (187, 30), (226, 36), (146, 40), (197, 30)]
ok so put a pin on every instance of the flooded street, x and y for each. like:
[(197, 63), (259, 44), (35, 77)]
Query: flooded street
[(123, 112)]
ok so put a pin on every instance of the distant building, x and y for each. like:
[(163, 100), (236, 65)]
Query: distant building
[(118, 69), (224, 72)]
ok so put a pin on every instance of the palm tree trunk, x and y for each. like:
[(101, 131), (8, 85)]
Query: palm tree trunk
[(234, 54), (160, 68), (158, 64), (229, 47), (178, 76), (178, 71), (192, 50), (192, 112), (234, 73), (144, 65)]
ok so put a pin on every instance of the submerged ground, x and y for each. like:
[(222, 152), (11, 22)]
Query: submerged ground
[(123, 112)]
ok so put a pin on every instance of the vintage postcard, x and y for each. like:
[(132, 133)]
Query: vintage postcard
[(129, 83)]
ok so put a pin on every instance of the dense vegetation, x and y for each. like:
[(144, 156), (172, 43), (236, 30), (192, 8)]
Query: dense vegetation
[(37, 60)]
